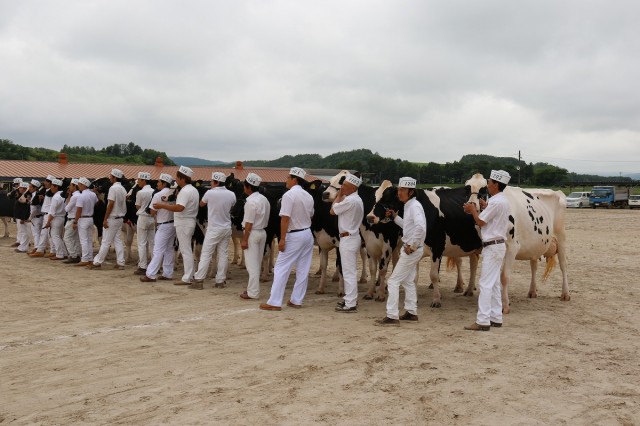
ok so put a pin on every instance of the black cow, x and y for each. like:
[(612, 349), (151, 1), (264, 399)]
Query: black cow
[(7, 208)]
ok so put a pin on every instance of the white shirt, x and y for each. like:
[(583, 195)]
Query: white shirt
[(256, 211), (118, 195), (298, 205), (350, 212), (190, 199), (56, 208), (496, 217), (413, 224), (219, 201), (72, 205), (87, 201), (143, 198), (46, 202), (162, 215)]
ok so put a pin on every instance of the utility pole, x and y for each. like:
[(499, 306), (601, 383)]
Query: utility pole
[(518, 167)]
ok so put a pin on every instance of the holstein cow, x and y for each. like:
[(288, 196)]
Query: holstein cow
[(6, 211), (537, 229)]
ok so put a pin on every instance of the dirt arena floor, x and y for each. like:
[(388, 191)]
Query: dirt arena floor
[(100, 347)]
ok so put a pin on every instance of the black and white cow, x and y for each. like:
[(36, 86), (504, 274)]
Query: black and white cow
[(536, 230), (6, 210)]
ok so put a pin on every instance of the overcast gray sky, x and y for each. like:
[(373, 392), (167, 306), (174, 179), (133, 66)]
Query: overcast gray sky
[(244, 80)]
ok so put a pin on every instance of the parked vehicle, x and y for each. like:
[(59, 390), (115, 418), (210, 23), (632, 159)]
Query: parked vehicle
[(578, 199), (634, 201), (609, 196)]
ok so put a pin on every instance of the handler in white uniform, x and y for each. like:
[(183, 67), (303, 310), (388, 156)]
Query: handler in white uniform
[(219, 201), (255, 220), (71, 237), (295, 245), (83, 221), (21, 214), (43, 242), (35, 215), (414, 231), (112, 225), (350, 211), (185, 211), (55, 220), (163, 252), (145, 225), (493, 223)]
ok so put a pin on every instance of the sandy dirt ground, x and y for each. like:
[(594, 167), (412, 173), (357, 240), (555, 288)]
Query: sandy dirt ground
[(99, 347)]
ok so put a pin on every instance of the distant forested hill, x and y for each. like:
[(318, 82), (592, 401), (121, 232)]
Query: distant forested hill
[(194, 161)]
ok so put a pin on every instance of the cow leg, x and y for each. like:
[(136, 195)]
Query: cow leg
[(505, 278), (562, 259), (363, 256), (6, 227), (532, 285), (324, 261), (434, 275), (382, 276), (473, 269), (459, 281), (340, 276), (336, 276), (128, 234), (373, 265)]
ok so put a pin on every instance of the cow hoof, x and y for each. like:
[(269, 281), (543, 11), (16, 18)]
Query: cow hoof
[(363, 281), (468, 293), (319, 291), (430, 286), (532, 295), (565, 297), (436, 304), (367, 297), (380, 299), (340, 294), (457, 290)]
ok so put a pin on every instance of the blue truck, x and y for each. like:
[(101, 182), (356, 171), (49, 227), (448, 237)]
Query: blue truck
[(609, 196)]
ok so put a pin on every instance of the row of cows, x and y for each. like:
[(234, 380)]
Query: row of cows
[(536, 230)]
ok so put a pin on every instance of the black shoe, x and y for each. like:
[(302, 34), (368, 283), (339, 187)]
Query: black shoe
[(71, 260), (346, 310), (408, 316), (341, 304), (496, 324), (140, 271), (388, 321)]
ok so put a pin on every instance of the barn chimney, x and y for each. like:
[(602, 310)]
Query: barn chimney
[(159, 162), (239, 165), (62, 158)]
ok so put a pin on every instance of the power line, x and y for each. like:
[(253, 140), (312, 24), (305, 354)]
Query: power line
[(585, 160)]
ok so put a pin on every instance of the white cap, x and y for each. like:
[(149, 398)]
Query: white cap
[(50, 178), (297, 171), (218, 176), (253, 179), (56, 182), (407, 182), (84, 181), (74, 181), (186, 171), (166, 178), (353, 179), (117, 173), (17, 180), (500, 176), (36, 183), (24, 185), (144, 175)]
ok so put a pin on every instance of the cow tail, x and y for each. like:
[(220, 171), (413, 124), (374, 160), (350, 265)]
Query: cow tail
[(551, 263), (451, 264)]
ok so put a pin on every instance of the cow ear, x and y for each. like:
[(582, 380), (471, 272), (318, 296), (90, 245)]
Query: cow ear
[(341, 181)]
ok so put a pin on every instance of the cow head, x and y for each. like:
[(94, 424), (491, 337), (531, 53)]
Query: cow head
[(335, 184), (478, 187), (386, 198)]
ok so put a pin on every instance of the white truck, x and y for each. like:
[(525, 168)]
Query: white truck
[(609, 196)]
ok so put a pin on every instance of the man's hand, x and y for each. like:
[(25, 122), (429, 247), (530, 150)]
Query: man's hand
[(244, 244), (105, 224), (281, 244)]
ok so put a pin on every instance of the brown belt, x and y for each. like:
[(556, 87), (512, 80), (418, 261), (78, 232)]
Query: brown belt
[(346, 234), (492, 242)]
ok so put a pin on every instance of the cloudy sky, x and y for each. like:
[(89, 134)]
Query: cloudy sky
[(257, 79)]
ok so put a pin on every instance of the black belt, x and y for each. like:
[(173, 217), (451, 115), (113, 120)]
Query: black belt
[(38, 215), (297, 230), (162, 223), (492, 242), (347, 234), (119, 217), (90, 215)]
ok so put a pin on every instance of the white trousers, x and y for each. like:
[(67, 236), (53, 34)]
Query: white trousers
[(349, 251), (163, 252), (490, 297), (72, 239), (146, 229), (57, 232), (184, 233), (297, 252), (44, 236), (85, 233), (36, 227), (403, 274), (253, 260), (111, 235), (215, 238), (23, 234)]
